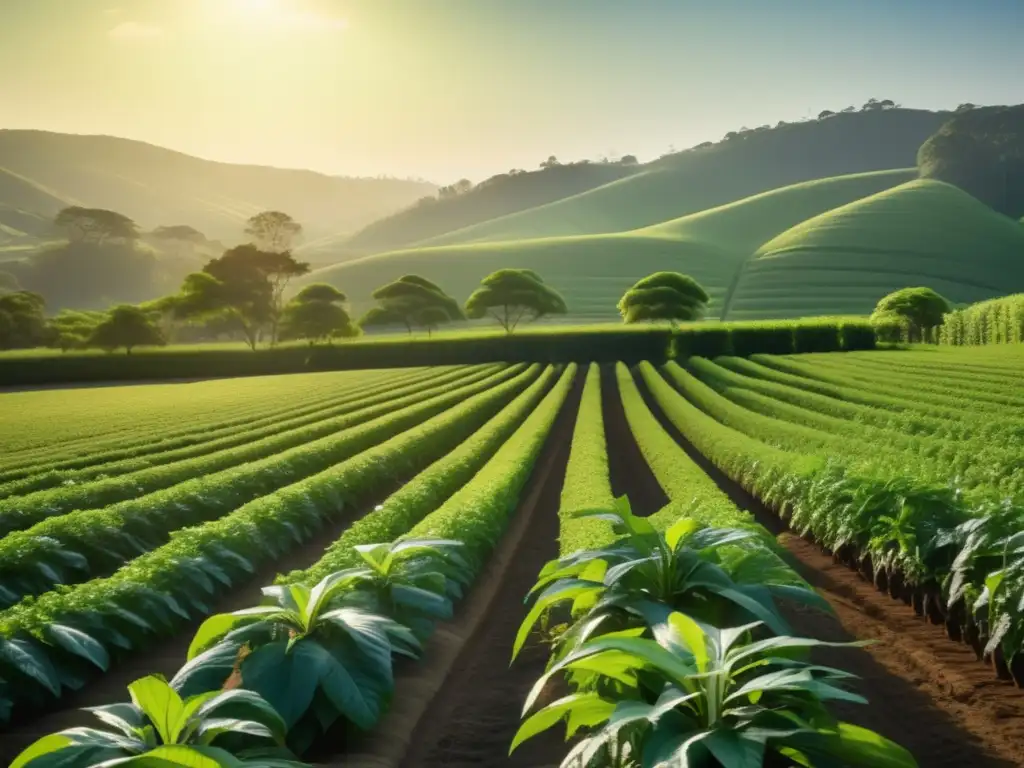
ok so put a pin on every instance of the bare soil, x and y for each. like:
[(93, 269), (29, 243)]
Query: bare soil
[(475, 711), (628, 471), (926, 692)]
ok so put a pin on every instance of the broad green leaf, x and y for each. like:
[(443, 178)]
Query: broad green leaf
[(871, 749), (357, 697), (731, 749), (177, 756), (30, 661), (557, 592), (693, 636), (161, 704), (122, 716), (286, 680), (44, 746), (213, 727), (323, 590), (588, 707), (215, 627), (254, 706), (79, 643), (208, 670), (679, 531)]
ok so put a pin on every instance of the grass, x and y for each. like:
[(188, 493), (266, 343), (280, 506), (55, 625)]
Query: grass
[(593, 271), (919, 233)]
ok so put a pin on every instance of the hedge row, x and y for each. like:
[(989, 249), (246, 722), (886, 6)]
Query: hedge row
[(628, 345)]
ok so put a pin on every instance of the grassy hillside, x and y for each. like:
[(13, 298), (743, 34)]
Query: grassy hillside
[(498, 196), (593, 271), (920, 233), (41, 172), (698, 179)]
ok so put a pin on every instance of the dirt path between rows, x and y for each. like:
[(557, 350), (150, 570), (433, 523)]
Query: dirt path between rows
[(628, 470), (461, 706), (926, 692), (167, 656)]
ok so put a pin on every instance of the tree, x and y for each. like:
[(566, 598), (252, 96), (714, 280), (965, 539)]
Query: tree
[(667, 296), (273, 231), (317, 313), (628, 160), (551, 162), (248, 283), (887, 104), (412, 301), (95, 225), (71, 329), (848, 110), (966, 107), (981, 151), (181, 232), (22, 324), (921, 309), (825, 113), (511, 295), (126, 326), (705, 145)]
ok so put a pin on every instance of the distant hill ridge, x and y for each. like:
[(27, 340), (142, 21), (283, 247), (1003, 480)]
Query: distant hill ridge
[(41, 172)]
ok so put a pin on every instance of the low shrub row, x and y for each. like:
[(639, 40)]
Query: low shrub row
[(90, 466), (21, 512), (52, 643), (89, 543), (777, 337)]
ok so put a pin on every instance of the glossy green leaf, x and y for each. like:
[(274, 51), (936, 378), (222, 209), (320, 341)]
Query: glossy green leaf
[(79, 643)]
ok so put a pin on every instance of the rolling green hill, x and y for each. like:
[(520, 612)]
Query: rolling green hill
[(711, 176), (923, 232), (41, 172), (593, 271)]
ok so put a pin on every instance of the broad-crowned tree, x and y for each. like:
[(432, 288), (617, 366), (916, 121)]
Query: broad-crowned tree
[(669, 296), (72, 329), (513, 295), (126, 326), (412, 301), (317, 313), (921, 309), (273, 231), (22, 323), (95, 224)]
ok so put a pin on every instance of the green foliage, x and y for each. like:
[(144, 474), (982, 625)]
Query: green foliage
[(126, 326), (246, 284), (405, 508), (310, 655), (159, 727), (982, 152), (816, 337), (922, 309), (95, 224), (701, 696), (71, 329), (997, 321), (177, 582), (512, 295), (316, 313), (273, 231), (412, 301), (21, 319), (664, 296), (765, 338)]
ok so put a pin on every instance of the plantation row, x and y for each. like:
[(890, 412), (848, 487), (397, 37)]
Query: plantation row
[(421, 472)]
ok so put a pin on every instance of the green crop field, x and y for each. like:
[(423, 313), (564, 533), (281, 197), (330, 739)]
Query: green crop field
[(138, 525)]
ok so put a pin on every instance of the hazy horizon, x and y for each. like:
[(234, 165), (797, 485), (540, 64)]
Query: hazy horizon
[(470, 88)]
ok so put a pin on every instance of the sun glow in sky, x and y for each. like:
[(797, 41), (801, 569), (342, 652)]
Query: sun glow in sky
[(449, 88)]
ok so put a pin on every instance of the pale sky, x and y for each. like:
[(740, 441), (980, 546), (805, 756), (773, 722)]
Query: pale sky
[(442, 89)]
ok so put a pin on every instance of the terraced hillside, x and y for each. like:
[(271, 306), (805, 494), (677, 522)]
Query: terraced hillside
[(920, 233), (131, 514), (593, 271)]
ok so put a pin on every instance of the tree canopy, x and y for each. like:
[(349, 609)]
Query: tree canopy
[(980, 150), (72, 329), (317, 313), (920, 309), (22, 323), (181, 232), (513, 295), (273, 231), (670, 296), (126, 326), (412, 301), (95, 224), (246, 283)]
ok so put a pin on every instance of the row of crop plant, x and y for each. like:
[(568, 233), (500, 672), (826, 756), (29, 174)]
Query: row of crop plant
[(950, 552), (672, 644), (321, 648)]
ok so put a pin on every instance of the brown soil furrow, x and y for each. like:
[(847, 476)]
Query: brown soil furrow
[(927, 693), (628, 470), (461, 706), (166, 656)]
